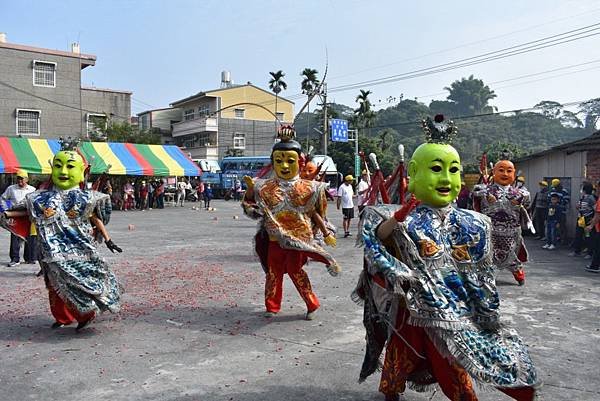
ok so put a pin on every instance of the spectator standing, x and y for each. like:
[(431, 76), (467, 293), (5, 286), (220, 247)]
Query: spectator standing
[(344, 199), (464, 196), (159, 194), (540, 209), (555, 213), (585, 209), (237, 190), (200, 191), (15, 194), (594, 230), (144, 191), (151, 189), (564, 200), (181, 187), (208, 194), (128, 197), (361, 190)]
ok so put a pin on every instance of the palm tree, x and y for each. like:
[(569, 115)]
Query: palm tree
[(309, 85), (364, 115), (277, 84)]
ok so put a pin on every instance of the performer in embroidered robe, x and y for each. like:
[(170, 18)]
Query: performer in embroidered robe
[(80, 283), (507, 206), (293, 226), (429, 292)]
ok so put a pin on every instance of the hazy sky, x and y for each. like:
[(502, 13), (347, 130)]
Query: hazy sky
[(164, 51)]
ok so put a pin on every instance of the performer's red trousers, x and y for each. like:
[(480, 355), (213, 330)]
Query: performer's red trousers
[(62, 312), (281, 261), (401, 362)]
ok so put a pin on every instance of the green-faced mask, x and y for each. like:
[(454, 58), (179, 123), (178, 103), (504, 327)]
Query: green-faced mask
[(434, 171), (67, 169)]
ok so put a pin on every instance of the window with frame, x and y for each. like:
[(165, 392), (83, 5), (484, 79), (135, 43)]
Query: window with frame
[(44, 74), (239, 113), (239, 141), (96, 124), (188, 114), (280, 116), (28, 122), (204, 110)]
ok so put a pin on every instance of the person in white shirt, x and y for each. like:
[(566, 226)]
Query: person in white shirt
[(344, 199), (361, 189), (181, 187), (15, 194)]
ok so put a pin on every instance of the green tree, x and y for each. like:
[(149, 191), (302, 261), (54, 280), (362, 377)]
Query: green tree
[(550, 108), (365, 116), (309, 85), (471, 96), (495, 151), (115, 131), (277, 84), (591, 113)]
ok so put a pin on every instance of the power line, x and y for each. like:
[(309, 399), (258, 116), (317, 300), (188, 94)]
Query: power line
[(387, 104), (527, 47), (466, 44)]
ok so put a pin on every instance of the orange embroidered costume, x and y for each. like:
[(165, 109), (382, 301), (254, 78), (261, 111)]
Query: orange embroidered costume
[(292, 227)]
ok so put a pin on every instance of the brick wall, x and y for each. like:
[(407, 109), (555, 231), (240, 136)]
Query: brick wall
[(593, 166)]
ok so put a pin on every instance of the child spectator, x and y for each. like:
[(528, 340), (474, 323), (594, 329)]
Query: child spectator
[(585, 208), (555, 212), (208, 194)]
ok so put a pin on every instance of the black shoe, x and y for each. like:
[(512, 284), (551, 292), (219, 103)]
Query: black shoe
[(81, 325), (57, 325), (593, 269), (346, 235)]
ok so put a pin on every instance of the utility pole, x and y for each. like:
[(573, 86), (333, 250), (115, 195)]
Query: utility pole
[(325, 120)]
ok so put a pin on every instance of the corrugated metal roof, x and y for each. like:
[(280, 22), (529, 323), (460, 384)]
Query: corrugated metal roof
[(591, 142)]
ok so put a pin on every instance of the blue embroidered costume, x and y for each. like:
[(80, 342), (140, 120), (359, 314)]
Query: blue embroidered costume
[(430, 288)]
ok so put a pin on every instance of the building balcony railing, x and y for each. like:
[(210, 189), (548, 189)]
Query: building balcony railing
[(195, 126), (203, 152)]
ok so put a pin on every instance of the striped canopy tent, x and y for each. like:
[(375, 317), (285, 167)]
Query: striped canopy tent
[(35, 156)]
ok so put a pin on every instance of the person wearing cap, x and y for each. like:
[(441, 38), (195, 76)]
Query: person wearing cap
[(15, 194), (361, 189), (344, 199), (539, 210), (564, 199)]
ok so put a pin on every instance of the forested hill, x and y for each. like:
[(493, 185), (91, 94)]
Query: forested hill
[(523, 133)]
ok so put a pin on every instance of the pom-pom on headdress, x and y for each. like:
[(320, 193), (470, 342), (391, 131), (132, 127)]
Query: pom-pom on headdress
[(439, 130), (286, 135)]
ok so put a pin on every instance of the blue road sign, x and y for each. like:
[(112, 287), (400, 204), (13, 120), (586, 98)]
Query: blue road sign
[(339, 130)]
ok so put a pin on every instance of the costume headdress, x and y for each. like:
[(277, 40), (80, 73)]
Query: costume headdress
[(286, 135), (505, 155), (439, 130)]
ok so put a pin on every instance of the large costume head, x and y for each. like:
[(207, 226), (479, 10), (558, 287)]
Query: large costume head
[(434, 167), (68, 169), (504, 172), (309, 172), (285, 155)]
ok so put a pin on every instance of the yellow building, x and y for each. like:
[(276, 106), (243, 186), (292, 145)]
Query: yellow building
[(236, 117)]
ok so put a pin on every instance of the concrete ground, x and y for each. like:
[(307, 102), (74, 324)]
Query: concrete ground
[(191, 327)]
